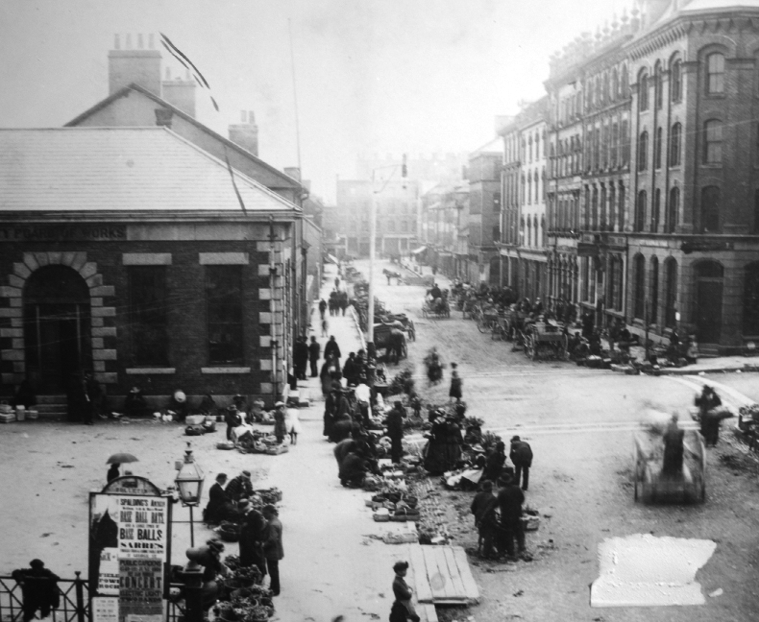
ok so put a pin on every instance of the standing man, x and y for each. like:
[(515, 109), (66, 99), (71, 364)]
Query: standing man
[(332, 349), (403, 608), (273, 549), (314, 350), (300, 358), (322, 308), (39, 589), (510, 499), (521, 456), (484, 519), (252, 536), (280, 427), (394, 424)]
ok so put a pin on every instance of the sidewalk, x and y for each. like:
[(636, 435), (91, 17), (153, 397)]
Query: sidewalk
[(334, 564)]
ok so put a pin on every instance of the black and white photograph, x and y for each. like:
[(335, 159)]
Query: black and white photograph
[(355, 310)]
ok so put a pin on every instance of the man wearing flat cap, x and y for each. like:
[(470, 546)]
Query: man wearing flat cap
[(510, 499), (240, 487), (403, 608)]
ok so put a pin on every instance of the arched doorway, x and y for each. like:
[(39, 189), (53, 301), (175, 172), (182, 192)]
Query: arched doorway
[(56, 327), (708, 313)]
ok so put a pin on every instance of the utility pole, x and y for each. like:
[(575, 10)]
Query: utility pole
[(372, 250)]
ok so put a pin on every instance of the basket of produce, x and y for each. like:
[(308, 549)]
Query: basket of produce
[(229, 532)]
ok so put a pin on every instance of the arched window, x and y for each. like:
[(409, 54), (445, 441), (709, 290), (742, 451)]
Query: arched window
[(670, 292), (751, 300), (713, 141), (603, 208), (537, 146), (643, 151), (621, 208), (639, 286), (715, 73), (617, 276), (640, 211), (614, 84), (658, 86), (536, 180), (710, 204), (529, 147), (589, 98), (607, 94), (653, 294), (675, 139), (528, 241), (542, 229), (657, 149), (676, 81), (673, 208), (529, 188), (643, 91)]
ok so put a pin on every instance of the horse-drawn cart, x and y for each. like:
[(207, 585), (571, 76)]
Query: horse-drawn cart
[(545, 339), (438, 308), (653, 483)]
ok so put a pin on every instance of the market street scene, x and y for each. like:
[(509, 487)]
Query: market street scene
[(338, 312)]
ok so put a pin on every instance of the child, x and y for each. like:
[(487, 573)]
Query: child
[(292, 423)]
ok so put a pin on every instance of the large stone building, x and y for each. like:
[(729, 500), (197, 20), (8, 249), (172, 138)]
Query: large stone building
[(652, 176), (396, 209), (125, 251)]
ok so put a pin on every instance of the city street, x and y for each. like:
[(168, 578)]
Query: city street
[(580, 424)]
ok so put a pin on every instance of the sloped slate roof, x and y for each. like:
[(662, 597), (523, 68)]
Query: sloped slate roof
[(119, 169)]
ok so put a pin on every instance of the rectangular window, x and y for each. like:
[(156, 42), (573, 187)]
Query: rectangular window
[(715, 73), (624, 140), (224, 304), (148, 316), (674, 145), (713, 142)]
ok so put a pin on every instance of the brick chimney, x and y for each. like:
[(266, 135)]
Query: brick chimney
[(129, 65), (245, 134), (180, 92)]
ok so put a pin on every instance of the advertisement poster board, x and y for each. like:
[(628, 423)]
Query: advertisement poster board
[(129, 548)]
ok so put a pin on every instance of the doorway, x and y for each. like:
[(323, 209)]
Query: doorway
[(56, 328), (709, 283)]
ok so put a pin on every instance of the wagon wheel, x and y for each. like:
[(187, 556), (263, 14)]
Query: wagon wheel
[(482, 324), (535, 347), (564, 344), (528, 345)]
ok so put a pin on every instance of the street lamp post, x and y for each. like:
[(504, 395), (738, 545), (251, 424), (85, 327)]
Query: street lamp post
[(372, 251), (189, 482)]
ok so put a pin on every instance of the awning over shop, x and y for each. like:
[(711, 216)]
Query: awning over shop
[(332, 258), (421, 249)]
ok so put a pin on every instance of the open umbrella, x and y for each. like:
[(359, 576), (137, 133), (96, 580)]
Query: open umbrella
[(121, 458)]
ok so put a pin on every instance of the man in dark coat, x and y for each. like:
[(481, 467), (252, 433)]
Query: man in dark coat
[(218, 501), (273, 549), (483, 509), (494, 462), (300, 358), (39, 588), (672, 464), (240, 487), (394, 424), (252, 537), (322, 308), (331, 348), (707, 402), (350, 369), (521, 456), (510, 499), (314, 350)]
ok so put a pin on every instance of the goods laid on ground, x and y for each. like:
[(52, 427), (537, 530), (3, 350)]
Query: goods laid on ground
[(242, 597)]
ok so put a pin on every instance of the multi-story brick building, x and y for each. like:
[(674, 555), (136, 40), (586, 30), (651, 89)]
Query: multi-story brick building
[(651, 201), (396, 209), (484, 226), (444, 225)]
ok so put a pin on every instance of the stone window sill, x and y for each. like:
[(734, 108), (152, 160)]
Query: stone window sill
[(143, 371), (225, 370)]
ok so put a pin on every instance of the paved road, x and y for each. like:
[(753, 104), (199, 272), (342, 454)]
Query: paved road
[(580, 423)]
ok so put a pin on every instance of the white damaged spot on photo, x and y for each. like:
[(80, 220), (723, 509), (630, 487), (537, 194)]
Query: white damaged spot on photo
[(642, 570)]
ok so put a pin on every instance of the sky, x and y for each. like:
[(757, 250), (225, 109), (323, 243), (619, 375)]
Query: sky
[(371, 76)]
